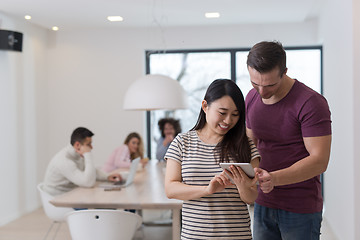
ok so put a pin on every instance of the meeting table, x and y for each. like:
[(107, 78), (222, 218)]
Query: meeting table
[(146, 192)]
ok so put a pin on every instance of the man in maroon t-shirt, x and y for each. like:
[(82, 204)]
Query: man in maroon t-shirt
[(291, 126)]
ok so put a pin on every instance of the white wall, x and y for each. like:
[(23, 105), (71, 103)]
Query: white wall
[(356, 109), (339, 29), (105, 62), (22, 76), (67, 79), (90, 70)]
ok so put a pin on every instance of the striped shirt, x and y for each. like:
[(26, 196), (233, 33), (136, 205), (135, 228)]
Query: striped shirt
[(221, 215)]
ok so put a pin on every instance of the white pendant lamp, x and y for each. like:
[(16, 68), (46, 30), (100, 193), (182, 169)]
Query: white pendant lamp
[(154, 92)]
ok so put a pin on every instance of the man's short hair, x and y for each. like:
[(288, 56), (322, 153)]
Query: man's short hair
[(266, 56), (80, 134)]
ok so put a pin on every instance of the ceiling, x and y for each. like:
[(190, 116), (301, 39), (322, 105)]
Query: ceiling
[(77, 14)]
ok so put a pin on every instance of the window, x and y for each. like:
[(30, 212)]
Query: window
[(196, 69)]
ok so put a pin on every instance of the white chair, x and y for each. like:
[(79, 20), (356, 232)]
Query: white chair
[(57, 214), (103, 224)]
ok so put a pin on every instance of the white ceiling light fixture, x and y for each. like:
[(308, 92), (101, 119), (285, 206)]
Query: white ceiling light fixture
[(115, 18), (155, 92), (55, 28), (212, 15), (27, 17)]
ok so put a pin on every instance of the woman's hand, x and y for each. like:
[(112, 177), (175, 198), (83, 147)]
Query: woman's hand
[(218, 183), (240, 179), (246, 186), (144, 161), (168, 139)]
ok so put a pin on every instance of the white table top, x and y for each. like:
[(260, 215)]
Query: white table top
[(146, 192)]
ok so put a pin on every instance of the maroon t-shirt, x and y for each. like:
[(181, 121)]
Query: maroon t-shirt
[(280, 129)]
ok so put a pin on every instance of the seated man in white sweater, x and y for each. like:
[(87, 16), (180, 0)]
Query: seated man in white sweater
[(73, 166)]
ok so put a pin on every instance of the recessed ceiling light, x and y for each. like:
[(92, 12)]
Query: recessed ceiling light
[(27, 17), (115, 18), (212, 15), (55, 28)]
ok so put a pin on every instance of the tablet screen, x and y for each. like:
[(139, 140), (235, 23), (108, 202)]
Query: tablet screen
[(246, 167)]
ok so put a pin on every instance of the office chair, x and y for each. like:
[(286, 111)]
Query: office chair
[(57, 214), (103, 224)]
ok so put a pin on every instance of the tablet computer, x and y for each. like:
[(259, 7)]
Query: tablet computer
[(246, 167)]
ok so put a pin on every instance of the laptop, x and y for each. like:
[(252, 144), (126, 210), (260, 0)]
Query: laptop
[(129, 179)]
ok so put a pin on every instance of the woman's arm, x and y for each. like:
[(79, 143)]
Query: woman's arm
[(120, 158), (175, 188), (110, 163), (255, 162), (246, 186)]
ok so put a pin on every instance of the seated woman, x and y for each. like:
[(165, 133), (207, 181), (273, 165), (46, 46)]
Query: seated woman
[(169, 128), (123, 155)]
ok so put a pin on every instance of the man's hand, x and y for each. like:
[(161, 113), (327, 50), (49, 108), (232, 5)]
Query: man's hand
[(266, 181), (84, 149), (114, 177)]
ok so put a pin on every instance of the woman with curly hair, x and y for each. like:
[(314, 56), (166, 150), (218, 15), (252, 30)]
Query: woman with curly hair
[(169, 128)]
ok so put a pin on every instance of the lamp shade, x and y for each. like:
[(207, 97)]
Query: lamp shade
[(154, 92)]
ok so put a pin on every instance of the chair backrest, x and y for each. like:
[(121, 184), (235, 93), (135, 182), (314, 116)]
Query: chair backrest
[(57, 214), (103, 224)]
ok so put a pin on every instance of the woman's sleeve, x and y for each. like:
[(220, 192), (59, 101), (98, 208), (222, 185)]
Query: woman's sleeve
[(175, 150), (254, 151), (110, 163), (122, 158)]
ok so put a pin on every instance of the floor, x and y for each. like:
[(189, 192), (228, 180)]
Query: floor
[(34, 226)]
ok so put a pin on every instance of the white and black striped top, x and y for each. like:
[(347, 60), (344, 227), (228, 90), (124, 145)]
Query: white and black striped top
[(220, 215)]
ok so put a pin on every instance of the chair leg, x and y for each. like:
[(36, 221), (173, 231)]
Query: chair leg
[(48, 231), (57, 229)]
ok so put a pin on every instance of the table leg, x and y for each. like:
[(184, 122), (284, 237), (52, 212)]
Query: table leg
[(176, 224)]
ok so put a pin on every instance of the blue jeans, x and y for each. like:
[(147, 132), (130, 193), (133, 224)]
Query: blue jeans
[(277, 224)]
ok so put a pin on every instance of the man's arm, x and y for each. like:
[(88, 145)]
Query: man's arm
[(85, 178), (311, 166), (306, 168)]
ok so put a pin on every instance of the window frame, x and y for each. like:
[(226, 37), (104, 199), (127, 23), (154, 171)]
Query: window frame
[(232, 52)]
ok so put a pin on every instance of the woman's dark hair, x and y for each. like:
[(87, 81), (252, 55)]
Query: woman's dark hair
[(140, 152), (235, 143), (265, 56), (175, 123), (79, 135)]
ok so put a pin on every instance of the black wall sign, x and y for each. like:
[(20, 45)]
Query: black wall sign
[(10, 40)]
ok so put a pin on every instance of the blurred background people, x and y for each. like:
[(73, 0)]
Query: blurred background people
[(169, 128), (73, 166), (122, 156)]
